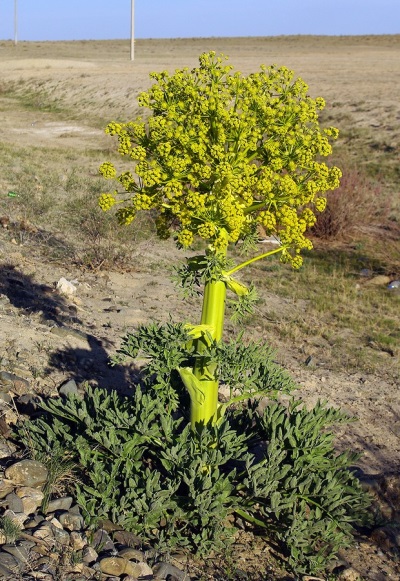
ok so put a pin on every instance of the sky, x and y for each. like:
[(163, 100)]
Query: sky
[(111, 19)]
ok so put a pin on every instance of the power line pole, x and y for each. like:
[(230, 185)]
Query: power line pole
[(132, 30), (15, 23)]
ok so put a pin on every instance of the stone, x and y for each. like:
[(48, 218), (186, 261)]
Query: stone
[(167, 571), (102, 541), (131, 554), (27, 473), (10, 381), (55, 523), (34, 521), (5, 397), (141, 569), (71, 521), (14, 502), (10, 562), (68, 388), (127, 538), (394, 285), (45, 533), (119, 566), (77, 541), (61, 536), (66, 287), (89, 555), (62, 503), (31, 498), (5, 488), (18, 518), (387, 538), (19, 552), (350, 574), (28, 404)]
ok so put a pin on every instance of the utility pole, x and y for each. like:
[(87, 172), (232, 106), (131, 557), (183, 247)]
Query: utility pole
[(132, 29), (15, 23)]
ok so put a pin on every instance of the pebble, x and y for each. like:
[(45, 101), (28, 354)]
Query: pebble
[(28, 404), (168, 571), (131, 554), (14, 502), (119, 566), (11, 563), (17, 384), (5, 488), (68, 388), (27, 473), (89, 555), (395, 284), (71, 521), (102, 541), (62, 503), (77, 541)]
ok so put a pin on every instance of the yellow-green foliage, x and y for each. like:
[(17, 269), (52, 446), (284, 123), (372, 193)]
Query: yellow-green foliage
[(222, 153)]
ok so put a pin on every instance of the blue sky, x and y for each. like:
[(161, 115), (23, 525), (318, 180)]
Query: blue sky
[(102, 19)]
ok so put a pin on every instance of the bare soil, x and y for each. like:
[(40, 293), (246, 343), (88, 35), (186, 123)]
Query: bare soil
[(91, 81)]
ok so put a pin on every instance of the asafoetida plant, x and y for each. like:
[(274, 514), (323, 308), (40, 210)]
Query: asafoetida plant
[(221, 155)]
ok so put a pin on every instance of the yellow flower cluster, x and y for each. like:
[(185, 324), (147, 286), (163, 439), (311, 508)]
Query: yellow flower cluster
[(221, 152), (106, 201)]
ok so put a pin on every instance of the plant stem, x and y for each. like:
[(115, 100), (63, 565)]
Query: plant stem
[(212, 314), (260, 257)]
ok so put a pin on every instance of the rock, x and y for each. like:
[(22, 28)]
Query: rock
[(71, 521), (28, 404), (102, 541), (12, 563), (118, 566), (61, 537), (27, 473), (387, 538), (168, 571), (16, 517), (77, 541), (12, 382), (34, 521), (5, 488), (5, 397), (66, 287), (55, 523), (68, 388), (394, 285), (109, 526), (62, 503), (14, 502), (350, 574), (19, 552), (131, 554), (127, 538), (141, 569), (89, 555), (45, 533), (31, 498)]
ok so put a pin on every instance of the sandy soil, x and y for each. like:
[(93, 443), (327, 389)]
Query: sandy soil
[(96, 80)]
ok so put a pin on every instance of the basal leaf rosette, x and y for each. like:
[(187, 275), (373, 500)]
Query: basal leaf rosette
[(222, 154)]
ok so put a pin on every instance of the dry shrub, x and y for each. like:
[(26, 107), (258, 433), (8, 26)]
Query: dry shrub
[(356, 203)]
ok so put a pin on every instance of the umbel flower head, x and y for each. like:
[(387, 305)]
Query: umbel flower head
[(222, 153)]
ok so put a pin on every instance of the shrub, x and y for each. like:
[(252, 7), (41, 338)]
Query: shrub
[(356, 203)]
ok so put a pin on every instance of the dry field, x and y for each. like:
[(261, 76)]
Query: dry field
[(56, 98)]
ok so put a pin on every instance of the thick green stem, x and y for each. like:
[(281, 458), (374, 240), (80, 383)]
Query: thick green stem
[(205, 411)]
